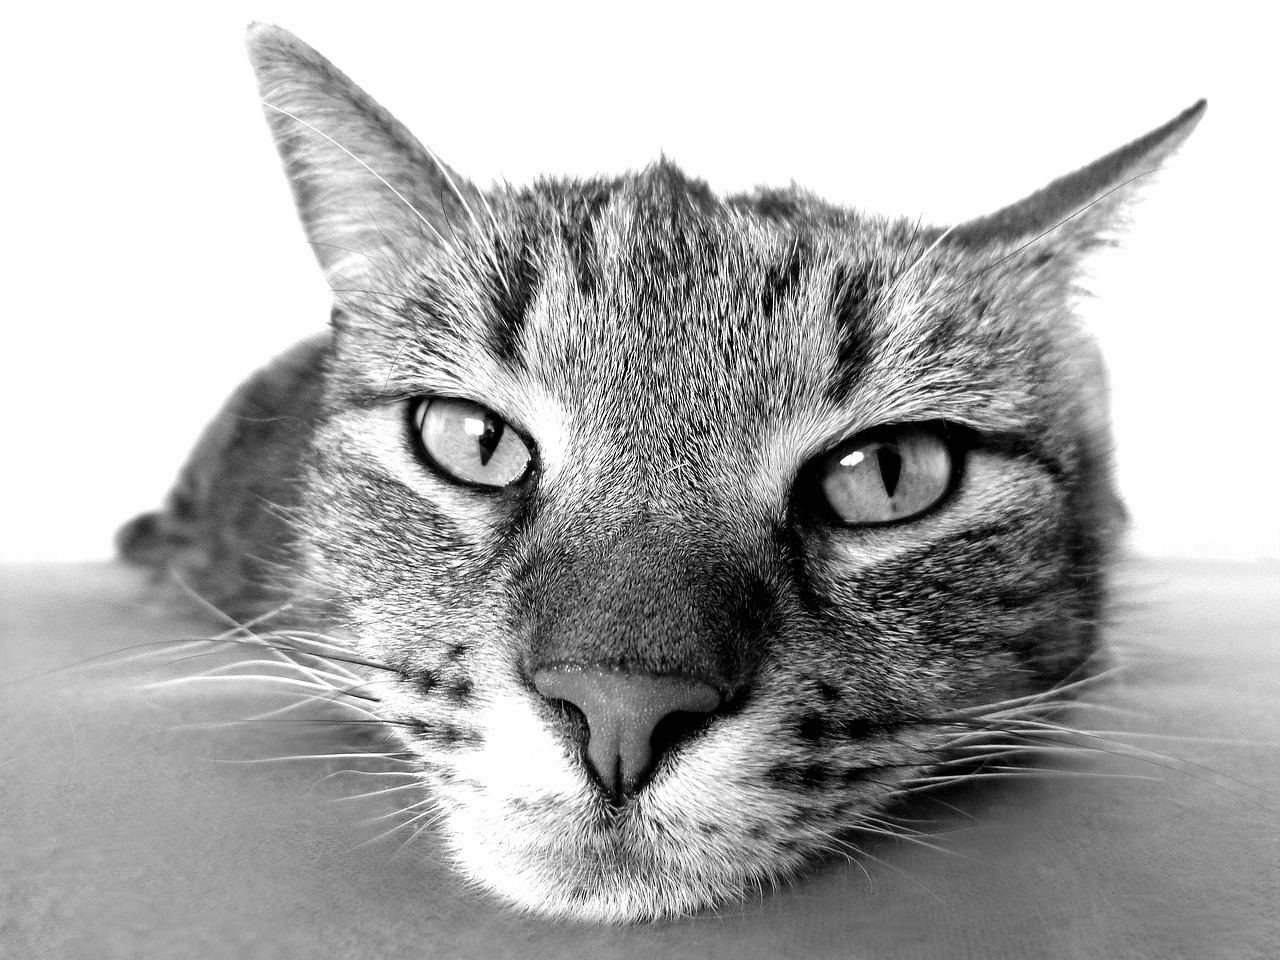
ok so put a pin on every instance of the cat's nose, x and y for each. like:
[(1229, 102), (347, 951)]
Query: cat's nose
[(623, 710)]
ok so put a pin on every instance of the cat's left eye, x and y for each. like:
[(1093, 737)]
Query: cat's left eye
[(471, 443), (887, 475)]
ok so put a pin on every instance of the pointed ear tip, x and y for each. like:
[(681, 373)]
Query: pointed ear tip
[(257, 31), (1168, 138), (261, 38), (1180, 127), (1193, 114), (1063, 199)]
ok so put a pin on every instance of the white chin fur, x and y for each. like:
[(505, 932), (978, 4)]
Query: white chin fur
[(589, 873), (523, 821)]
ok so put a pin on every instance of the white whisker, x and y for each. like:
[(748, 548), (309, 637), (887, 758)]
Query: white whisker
[(381, 179), (427, 825), (380, 757), (385, 791)]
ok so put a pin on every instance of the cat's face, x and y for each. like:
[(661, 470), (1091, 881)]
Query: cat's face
[(845, 477)]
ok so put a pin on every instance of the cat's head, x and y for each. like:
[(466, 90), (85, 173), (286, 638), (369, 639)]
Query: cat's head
[(691, 524)]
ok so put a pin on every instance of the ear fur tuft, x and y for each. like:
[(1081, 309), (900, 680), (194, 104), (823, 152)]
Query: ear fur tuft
[(361, 181)]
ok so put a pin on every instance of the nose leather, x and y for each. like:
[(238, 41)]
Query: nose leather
[(623, 709)]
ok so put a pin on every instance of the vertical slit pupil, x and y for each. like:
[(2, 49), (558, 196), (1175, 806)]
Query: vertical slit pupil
[(489, 438), (890, 461)]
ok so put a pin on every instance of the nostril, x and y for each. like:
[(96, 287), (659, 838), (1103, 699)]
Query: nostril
[(631, 717), (676, 728), (570, 719)]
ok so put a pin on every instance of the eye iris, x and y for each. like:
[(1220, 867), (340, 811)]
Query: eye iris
[(469, 443), (895, 477)]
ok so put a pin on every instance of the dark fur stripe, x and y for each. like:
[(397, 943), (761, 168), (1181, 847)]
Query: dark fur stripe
[(579, 237), (513, 295), (781, 279), (852, 302)]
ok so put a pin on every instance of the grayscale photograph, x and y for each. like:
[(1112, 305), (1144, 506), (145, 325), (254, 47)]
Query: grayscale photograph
[(668, 481)]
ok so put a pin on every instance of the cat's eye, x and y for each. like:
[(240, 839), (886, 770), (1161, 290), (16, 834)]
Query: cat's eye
[(886, 475), (471, 443)]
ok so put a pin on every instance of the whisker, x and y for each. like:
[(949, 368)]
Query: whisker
[(75, 743), (1061, 694), (282, 681), (395, 829), (319, 677), (398, 195), (343, 653), (269, 717), (381, 757), (951, 808), (892, 833), (1181, 738), (897, 281), (1016, 773), (418, 832), (341, 249), (1057, 226), (328, 698), (480, 231), (861, 852), (401, 811), (1119, 748), (111, 655), (234, 626), (416, 785)]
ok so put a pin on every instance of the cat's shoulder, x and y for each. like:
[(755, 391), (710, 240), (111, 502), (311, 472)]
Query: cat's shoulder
[(221, 526)]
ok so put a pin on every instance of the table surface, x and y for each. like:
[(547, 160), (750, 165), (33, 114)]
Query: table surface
[(130, 825)]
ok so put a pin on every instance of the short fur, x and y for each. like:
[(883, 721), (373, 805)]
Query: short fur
[(678, 361)]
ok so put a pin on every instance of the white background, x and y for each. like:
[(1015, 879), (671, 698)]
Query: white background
[(151, 257)]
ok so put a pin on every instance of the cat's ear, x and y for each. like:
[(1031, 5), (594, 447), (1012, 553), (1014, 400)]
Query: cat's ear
[(361, 181), (1075, 212)]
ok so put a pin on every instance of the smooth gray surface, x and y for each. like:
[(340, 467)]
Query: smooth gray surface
[(124, 831)]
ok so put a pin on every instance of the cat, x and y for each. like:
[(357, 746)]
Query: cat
[(690, 531)]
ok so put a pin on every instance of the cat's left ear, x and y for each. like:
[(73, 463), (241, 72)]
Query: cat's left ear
[(1075, 212), (362, 183)]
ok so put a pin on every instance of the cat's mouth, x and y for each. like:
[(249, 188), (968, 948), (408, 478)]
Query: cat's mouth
[(706, 829), (722, 813)]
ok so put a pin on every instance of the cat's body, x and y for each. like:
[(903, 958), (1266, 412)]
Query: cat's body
[(657, 635)]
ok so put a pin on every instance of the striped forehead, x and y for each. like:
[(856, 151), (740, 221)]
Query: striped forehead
[(653, 303)]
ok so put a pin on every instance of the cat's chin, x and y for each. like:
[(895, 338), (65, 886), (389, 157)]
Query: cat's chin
[(558, 850), (550, 845), (523, 820), (630, 868)]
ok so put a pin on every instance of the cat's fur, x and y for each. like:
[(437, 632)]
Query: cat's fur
[(678, 361)]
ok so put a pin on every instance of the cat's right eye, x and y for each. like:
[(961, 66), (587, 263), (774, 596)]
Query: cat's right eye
[(470, 443), (887, 475)]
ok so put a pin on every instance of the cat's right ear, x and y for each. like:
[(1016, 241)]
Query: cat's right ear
[(362, 183), (1075, 212)]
